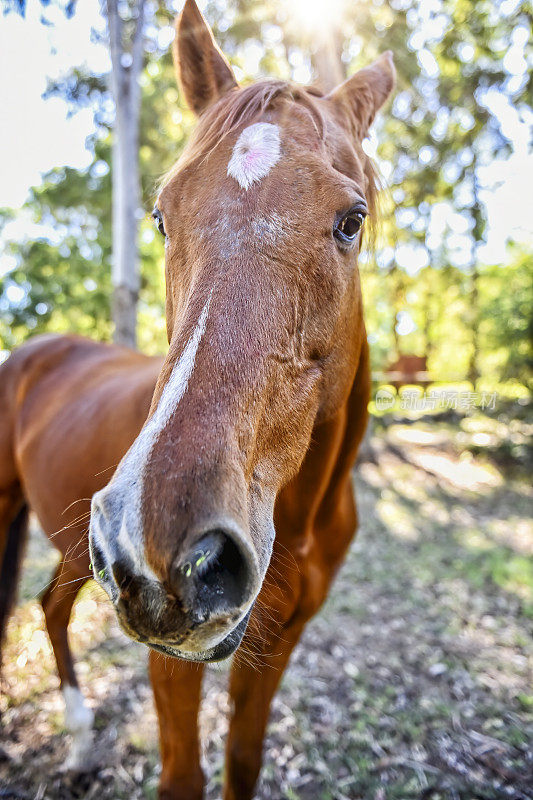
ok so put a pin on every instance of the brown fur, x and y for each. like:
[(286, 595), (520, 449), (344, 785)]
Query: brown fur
[(275, 407)]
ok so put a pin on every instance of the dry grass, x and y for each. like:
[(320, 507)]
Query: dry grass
[(413, 682)]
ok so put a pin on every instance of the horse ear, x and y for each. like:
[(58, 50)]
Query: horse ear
[(361, 96), (203, 72)]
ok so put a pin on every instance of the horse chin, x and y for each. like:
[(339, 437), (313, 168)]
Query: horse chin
[(220, 652)]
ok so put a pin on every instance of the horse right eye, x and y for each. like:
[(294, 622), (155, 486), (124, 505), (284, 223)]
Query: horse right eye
[(158, 218)]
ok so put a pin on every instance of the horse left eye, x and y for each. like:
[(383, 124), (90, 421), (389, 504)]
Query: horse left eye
[(348, 227)]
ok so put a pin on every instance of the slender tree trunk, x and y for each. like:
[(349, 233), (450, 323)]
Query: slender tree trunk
[(327, 60), (477, 238), (397, 303), (126, 69), (429, 318), (473, 298)]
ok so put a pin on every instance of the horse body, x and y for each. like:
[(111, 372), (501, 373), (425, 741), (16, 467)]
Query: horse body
[(61, 435), (232, 506), (66, 391)]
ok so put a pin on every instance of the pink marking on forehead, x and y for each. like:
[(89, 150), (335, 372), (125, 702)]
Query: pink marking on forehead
[(255, 152)]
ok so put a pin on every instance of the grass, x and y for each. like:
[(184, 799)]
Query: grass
[(414, 681)]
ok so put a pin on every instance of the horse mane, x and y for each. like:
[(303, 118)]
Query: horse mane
[(373, 195), (241, 106)]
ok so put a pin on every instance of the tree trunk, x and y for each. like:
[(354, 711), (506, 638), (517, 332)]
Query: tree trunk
[(397, 303), (327, 61), (473, 369), (126, 69), (473, 298)]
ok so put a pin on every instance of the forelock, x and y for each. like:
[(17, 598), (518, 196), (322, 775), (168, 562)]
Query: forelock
[(240, 107)]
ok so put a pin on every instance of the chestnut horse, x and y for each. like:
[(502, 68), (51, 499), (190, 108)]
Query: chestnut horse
[(232, 506)]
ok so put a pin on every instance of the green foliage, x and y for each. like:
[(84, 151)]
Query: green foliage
[(506, 320), (425, 293), (435, 142), (61, 281)]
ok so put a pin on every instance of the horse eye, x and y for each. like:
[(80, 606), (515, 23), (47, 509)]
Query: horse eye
[(158, 218), (348, 227)]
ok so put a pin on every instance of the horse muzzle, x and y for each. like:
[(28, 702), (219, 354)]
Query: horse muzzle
[(199, 609)]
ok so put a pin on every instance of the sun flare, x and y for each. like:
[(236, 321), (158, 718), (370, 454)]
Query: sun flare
[(316, 16)]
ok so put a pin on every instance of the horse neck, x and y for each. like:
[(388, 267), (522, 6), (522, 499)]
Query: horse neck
[(313, 497)]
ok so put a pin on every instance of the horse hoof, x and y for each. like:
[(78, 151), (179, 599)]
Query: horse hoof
[(81, 758)]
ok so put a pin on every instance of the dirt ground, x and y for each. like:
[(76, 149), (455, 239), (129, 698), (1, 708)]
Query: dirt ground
[(414, 681)]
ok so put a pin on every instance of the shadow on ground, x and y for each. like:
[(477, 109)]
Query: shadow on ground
[(412, 682)]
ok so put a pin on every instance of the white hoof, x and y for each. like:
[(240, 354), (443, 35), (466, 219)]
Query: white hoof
[(81, 754), (79, 720)]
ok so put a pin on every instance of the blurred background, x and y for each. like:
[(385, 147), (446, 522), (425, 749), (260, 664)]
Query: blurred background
[(433, 689), (451, 281)]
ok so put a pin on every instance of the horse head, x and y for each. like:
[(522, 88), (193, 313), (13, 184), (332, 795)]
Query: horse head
[(263, 217)]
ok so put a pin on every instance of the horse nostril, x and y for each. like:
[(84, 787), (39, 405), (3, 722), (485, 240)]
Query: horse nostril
[(122, 575), (213, 577), (204, 558)]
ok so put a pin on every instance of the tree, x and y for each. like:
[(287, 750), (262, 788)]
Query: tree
[(127, 62), (435, 139), (505, 318)]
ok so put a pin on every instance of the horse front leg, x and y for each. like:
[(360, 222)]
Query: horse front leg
[(57, 604), (177, 689), (254, 678)]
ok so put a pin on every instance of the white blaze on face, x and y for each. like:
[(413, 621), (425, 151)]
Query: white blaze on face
[(122, 497), (255, 152)]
